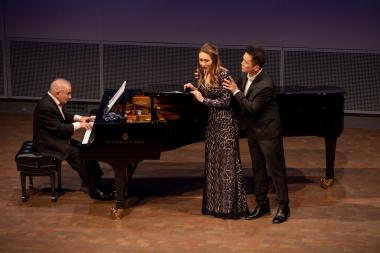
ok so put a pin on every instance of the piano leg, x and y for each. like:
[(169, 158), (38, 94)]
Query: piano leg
[(120, 168), (330, 147)]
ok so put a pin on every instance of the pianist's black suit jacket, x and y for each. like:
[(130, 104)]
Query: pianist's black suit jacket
[(51, 132), (52, 137)]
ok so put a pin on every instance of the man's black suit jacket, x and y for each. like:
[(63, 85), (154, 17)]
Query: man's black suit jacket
[(51, 132), (258, 111)]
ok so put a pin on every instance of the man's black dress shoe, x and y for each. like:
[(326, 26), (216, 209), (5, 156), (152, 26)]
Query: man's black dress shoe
[(259, 211), (101, 195), (282, 215)]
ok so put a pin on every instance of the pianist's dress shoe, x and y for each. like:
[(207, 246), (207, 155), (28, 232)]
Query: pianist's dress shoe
[(260, 210), (282, 215), (101, 195)]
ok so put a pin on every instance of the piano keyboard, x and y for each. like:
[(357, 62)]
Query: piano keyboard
[(87, 134), (86, 137)]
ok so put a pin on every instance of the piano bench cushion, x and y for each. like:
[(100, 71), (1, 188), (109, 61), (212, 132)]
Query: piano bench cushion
[(30, 162)]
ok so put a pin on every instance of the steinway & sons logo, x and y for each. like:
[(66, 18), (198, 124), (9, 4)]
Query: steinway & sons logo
[(125, 139), (125, 136)]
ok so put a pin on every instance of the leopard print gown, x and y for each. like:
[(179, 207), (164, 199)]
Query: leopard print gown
[(224, 192)]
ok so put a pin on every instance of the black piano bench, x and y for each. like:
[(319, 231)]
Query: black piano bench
[(31, 163)]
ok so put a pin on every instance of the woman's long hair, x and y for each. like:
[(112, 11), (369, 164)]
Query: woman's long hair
[(216, 65)]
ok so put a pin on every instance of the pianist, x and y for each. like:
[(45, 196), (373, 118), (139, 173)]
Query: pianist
[(53, 128)]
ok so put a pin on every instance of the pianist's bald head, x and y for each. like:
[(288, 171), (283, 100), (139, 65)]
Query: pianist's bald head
[(58, 85), (61, 89)]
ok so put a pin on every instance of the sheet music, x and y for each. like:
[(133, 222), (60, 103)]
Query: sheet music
[(115, 97)]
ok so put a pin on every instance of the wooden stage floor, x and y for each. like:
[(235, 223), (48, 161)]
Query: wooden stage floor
[(163, 210)]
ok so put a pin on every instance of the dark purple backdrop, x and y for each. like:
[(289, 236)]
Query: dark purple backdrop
[(336, 24)]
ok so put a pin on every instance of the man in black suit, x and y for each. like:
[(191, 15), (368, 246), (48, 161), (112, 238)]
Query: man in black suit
[(256, 100), (52, 131)]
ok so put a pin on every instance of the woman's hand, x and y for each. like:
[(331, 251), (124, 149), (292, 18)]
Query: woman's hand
[(189, 86), (198, 96)]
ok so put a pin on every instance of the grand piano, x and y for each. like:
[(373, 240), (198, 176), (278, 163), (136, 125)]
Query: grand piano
[(133, 125), (314, 111)]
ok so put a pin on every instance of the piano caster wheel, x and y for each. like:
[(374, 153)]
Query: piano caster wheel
[(116, 213), (53, 199), (24, 198), (326, 182)]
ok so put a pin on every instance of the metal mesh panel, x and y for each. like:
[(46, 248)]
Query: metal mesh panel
[(152, 68), (2, 83), (231, 59), (35, 64), (357, 73), (76, 108), (273, 65), (159, 68), (167, 68)]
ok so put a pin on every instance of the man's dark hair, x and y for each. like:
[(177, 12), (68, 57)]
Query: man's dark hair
[(258, 55)]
